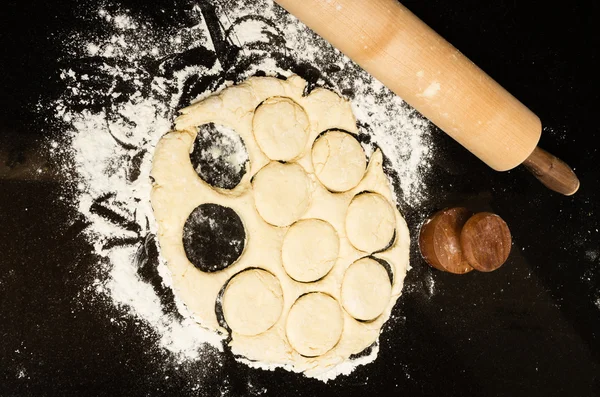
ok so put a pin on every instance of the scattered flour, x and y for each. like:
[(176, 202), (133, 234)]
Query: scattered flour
[(121, 94)]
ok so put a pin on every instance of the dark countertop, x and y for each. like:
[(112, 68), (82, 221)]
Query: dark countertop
[(530, 328)]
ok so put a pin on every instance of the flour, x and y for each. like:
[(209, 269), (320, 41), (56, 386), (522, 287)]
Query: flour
[(344, 368), (122, 89)]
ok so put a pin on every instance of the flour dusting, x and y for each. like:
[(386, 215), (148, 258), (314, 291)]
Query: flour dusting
[(123, 87)]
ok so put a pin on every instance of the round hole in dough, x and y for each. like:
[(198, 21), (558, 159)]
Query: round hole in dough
[(252, 302), (366, 289), (219, 156), (281, 128), (314, 324), (370, 222), (281, 193), (339, 160), (310, 249), (213, 237)]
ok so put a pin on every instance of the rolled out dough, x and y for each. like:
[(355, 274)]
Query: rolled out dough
[(270, 197)]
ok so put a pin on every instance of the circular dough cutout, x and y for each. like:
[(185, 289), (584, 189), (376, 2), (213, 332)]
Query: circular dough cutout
[(370, 222), (339, 160), (366, 289), (314, 324), (252, 302), (281, 193), (281, 128), (310, 249)]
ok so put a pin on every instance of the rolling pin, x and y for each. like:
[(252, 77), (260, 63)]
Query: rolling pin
[(412, 60)]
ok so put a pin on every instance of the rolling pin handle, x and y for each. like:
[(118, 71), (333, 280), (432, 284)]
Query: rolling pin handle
[(552, 172)]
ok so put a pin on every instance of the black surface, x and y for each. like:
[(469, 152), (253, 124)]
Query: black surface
[(213, 237), (530, 328)]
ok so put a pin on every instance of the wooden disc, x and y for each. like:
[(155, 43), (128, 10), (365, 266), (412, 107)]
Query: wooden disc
[(439, 240), (486, 241)]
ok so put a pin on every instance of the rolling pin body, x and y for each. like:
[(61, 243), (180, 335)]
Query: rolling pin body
[(412, 60)]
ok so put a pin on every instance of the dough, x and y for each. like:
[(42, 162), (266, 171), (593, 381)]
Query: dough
[(291, 194), (370, 222), (252, 302), (281, 193), (310, 249), (314, 324), (366, 289), (339, 161), (281, 128)]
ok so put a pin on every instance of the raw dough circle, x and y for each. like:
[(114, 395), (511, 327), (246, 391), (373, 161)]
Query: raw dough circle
[(310, 249), (281, 193), (314, 325), (281, 128), (339, 161), (370, 222), (366, 289), (252, 302)]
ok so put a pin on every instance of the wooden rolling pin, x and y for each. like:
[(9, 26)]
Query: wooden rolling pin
[(412, 60)]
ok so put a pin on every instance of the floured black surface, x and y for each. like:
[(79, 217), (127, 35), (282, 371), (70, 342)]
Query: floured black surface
[(530, 328), (211, 148)]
